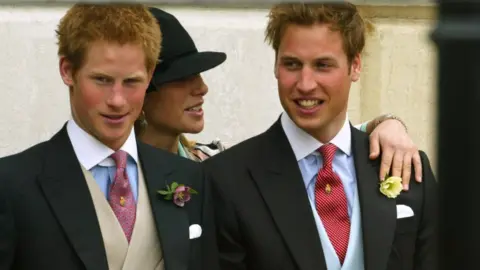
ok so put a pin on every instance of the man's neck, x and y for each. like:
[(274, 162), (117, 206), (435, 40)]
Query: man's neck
[(327, 133), (90, 151), (162, 140), (115, 145)]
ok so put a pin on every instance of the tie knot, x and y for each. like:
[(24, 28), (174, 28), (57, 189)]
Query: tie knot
[(120, 158), (328, 152)]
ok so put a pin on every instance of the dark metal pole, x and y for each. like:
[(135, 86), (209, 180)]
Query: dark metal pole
[(457, 37)]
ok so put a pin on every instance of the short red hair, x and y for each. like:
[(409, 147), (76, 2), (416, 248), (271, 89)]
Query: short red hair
[(84, 24)]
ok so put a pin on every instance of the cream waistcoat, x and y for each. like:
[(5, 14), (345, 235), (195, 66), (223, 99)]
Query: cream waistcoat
[(144, 252)]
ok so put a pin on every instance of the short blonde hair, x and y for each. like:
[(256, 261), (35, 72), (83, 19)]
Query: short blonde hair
[(342, 17), (84, 24)]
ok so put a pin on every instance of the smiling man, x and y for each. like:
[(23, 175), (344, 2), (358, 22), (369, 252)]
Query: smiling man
[(304, 195), (88, 198)]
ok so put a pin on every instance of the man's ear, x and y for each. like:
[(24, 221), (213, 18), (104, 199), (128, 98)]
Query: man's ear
[(66, 71), (356, 68)]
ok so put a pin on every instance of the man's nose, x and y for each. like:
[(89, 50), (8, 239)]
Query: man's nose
[(306, 82), (116, 97)]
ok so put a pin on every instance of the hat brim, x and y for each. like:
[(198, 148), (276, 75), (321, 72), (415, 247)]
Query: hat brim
[(188, 65)]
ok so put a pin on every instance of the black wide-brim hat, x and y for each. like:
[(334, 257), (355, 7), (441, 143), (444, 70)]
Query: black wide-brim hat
[(179, 57)]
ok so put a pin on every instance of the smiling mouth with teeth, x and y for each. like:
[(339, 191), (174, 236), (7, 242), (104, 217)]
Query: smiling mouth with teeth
[(309, 103), (195, 109)]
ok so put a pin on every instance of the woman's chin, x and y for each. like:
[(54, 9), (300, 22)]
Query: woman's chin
[(194, 129)]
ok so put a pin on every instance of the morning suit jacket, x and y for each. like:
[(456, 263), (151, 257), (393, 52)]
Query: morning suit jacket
[(265, 222), (48, 220)]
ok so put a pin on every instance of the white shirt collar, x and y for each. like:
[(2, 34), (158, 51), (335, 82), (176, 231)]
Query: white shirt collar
[(303, 144), (91, 152)]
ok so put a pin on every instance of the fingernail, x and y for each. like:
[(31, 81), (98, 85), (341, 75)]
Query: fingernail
[(405, 187), (419, 179)]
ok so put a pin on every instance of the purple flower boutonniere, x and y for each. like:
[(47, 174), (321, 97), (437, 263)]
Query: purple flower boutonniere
[(179, 193)]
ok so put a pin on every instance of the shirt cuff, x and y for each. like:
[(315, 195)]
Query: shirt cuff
[(362, 126)]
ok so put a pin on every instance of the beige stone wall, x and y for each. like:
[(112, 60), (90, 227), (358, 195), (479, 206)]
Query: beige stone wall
[(399, 73)]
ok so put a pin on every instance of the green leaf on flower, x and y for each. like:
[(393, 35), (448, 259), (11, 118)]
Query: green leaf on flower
[(192, 191), (164, 192), (168, 197), (174, 186)]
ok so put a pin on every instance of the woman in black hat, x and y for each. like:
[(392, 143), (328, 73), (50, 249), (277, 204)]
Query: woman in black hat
[(173, 104)]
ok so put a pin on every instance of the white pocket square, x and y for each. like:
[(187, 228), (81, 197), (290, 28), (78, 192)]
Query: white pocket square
[(195, 231), (404, 211)]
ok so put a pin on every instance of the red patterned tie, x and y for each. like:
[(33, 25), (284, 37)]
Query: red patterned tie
[(121, 196), (331, 203)]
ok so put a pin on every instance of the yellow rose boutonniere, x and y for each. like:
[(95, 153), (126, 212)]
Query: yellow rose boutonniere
[(391, 186)]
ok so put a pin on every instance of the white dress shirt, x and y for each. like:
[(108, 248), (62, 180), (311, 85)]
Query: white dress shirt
[(95, 157)]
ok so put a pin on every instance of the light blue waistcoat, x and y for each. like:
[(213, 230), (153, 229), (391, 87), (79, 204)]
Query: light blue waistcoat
[(354, 257)]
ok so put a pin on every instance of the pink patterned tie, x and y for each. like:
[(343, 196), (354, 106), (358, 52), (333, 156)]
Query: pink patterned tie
[(331, 203), (121, 196)]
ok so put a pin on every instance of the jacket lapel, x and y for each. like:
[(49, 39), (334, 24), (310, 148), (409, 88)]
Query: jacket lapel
[(67, 193), (279, 180), (378, 212), (172, 222)]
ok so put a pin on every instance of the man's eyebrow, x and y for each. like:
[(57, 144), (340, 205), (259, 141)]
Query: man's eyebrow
[(291, 58), (137, 77), (319, 59), (324, 58)]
